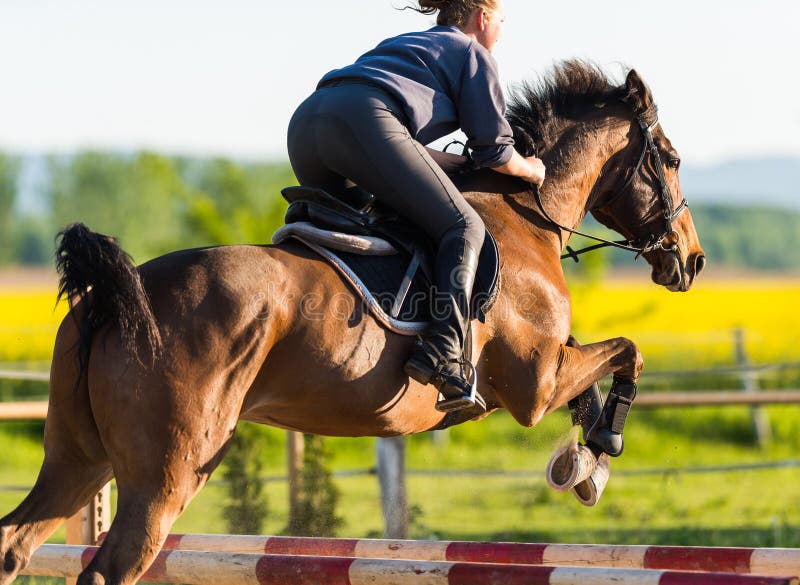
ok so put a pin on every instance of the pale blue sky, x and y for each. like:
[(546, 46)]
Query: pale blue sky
[(207, 77)]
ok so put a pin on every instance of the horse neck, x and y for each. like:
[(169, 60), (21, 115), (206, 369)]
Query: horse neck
[(575, 163)]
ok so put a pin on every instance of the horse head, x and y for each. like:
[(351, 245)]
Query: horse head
[(606, 154), (639, 195)]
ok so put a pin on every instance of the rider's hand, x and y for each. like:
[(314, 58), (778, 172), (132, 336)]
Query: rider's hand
[(529, 168), (536, 170)]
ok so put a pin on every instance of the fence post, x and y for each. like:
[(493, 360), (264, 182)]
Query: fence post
[(441, 437), (92, 520), (391, 455), (295, 448), (749, 382)]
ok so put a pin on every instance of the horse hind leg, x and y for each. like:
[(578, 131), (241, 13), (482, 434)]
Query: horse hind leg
[(75, 468), (149, 502), (60, 491), (160, 466)]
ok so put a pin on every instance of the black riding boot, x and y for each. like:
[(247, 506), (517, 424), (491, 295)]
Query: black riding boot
[(438, 357)]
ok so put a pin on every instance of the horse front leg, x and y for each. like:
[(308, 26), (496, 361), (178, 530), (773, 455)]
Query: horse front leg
[(578, 367), (536, 378), (532, 382), (603, 424), (585, 469)]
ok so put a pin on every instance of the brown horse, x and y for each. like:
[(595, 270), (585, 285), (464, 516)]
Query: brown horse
[(169, 356)]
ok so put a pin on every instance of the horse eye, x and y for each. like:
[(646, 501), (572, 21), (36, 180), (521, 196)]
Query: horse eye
[(675, 163)]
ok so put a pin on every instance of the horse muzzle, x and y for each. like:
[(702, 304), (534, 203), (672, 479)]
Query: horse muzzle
[(673, 274)]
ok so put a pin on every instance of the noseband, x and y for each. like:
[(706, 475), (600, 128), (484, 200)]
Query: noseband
[(668, 240)]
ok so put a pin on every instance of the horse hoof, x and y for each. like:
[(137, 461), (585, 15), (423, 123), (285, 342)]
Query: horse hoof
[(12, 565), (589, 491), (93, 578), (570, 466)]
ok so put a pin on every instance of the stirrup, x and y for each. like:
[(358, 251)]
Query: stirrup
[(472, 398)]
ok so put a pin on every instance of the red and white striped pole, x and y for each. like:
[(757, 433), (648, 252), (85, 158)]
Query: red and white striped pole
[(207, 568), (760, 561)]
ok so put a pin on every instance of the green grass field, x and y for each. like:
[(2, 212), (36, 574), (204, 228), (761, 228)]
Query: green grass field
[(756, 507), (759, 507)]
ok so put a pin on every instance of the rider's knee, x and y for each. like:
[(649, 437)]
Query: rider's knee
[(469, 227), (475, 228)]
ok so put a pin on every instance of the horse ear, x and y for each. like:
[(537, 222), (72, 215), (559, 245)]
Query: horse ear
[(638, 93)]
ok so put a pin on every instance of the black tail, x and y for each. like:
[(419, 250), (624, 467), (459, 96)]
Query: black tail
[(94, 267)]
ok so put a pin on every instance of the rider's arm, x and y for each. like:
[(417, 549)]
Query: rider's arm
[(482, 107), (529, 168)]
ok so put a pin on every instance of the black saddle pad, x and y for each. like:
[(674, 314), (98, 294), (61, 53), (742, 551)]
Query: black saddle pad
[(382, 276), (378, 278)]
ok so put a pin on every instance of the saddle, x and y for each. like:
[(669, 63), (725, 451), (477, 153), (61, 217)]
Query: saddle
[(386, 260)]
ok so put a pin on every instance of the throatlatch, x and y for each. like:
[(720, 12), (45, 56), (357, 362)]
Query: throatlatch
[(603, 424)]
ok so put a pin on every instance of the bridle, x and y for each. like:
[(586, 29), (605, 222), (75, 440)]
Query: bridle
[(668, 240)]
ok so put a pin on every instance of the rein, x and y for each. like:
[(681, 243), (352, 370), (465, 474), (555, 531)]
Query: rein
[(621, 244), (639, 246)]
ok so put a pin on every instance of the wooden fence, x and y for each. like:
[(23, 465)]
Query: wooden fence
[(10, 411)]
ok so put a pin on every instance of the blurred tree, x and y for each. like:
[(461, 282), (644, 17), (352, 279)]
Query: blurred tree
[(760, 238), (33, 240), (8, 193), (154, 204), (235, 203), (159, 191), (219, 195), (134, 198), (316, 510), (242, 468), (89, 188)]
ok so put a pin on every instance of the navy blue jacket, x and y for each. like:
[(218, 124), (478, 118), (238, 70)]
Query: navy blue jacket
[(445, 81)]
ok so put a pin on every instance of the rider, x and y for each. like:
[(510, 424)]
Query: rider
[(367, 122)]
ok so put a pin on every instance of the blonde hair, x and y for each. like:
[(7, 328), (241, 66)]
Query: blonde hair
[(453, 12)]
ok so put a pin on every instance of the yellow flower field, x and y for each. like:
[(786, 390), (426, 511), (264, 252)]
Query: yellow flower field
[(29, 320), (674, 330), (695, 329)]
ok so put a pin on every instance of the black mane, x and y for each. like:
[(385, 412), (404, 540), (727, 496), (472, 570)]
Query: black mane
[(538, 112)]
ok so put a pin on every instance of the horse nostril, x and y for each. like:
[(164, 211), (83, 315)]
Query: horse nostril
[(699, 264)]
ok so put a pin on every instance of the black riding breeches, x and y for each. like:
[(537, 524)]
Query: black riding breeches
[(355, 131)]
